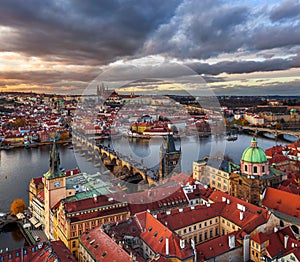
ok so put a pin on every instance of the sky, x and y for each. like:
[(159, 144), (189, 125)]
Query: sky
[(237, 47)]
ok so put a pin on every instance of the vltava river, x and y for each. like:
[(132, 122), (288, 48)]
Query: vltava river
[(18, 166)]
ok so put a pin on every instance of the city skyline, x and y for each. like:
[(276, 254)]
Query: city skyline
[(237, 47)]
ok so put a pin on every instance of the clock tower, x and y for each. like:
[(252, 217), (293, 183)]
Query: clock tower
[(54, 188)]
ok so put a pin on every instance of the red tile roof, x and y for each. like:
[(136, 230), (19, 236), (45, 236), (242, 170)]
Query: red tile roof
[(179, 218), (274, 150), (278, 158), (156, 198), (48, 251), (253, 216), (275, 245), (155, 235), (93, 207), (214, 247), (279, 200), (102, 247), (290, 187)]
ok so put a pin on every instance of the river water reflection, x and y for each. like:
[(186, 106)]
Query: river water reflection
[(18, 166)]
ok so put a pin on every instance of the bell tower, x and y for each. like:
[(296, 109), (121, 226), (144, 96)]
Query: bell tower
[(54, 188), (169, 158)]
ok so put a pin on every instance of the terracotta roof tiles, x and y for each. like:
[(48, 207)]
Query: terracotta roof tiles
[(102, 247), (155, 235), (279, 200)]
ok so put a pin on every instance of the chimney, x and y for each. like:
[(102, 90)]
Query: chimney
[(223, 199), (286, 238), (180, 210), (168, 212), (228, 201), (167, 246), (95, 197), (182, 243), (231, 241), (241, 215)]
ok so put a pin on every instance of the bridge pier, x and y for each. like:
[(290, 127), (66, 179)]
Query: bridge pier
[(121, 166)]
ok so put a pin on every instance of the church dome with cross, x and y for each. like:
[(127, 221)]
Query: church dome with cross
[(254, 161)]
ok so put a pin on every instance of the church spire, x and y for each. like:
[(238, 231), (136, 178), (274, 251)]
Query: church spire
[(54, 164)]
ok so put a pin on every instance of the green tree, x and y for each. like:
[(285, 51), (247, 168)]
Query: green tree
[(17, 206)]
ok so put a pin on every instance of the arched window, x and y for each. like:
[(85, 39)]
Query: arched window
[(295, 229), (281, 223)]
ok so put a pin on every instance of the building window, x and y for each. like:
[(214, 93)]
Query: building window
[(184, 230), (210, 222), (211, 233), (200, 238), (200, 225), (255, 169), (74, 244), (205, 224), (263, 169), (217, 231), (205, 235)]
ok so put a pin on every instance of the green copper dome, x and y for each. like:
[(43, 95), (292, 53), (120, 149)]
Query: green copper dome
[(254, 154)]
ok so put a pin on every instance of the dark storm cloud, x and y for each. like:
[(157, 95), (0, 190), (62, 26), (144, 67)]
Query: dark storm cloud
[(273, 37), (275, 88), (239, 67), (85, 32), (49, 77), (205, 29), (201, 29), (285, 10)]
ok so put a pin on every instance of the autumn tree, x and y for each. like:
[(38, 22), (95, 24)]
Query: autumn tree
[(17, 206)]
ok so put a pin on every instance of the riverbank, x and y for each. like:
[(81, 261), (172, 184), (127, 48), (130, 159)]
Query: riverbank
[(34, 145)]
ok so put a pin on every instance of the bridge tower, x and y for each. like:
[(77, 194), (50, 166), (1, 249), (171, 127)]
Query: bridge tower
[(169, 158)]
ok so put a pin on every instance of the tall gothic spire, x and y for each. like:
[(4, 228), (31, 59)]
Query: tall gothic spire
[(54, 164)]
